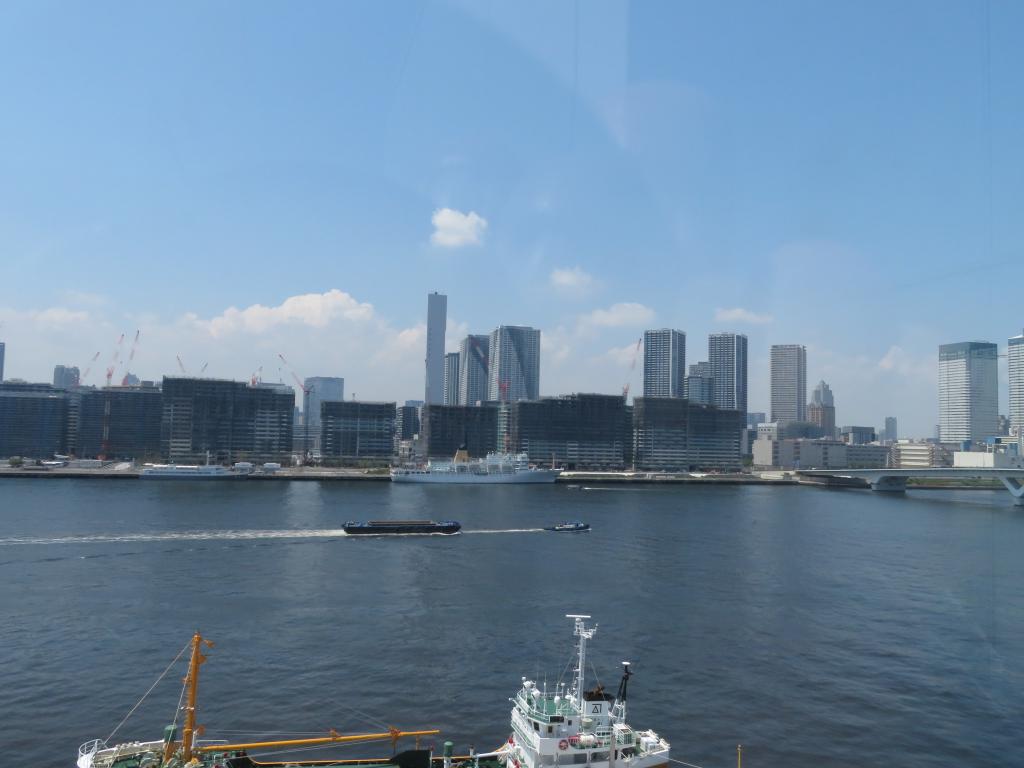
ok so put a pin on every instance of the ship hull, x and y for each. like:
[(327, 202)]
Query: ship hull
[(465, 478), (407, 528)]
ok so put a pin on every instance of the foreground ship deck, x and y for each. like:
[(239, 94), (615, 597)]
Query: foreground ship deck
[(566, 726)]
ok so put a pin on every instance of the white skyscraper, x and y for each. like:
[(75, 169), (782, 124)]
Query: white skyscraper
[(727, 355), (437, 319), (664, 363), (789, 382), (968, 391), (1015, 363), (514, 364)]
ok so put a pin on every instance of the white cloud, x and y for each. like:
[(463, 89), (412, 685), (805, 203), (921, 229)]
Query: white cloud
[(454, 229), (897, 360), (312, 309), (624, 356), (623, 315), (740, 315), (572, 280), (554, 345)]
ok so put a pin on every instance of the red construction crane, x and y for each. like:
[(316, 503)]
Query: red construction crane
[(305, 415), (88, 368), (114, 359)]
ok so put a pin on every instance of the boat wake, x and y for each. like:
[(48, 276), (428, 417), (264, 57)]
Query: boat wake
[(238, 535)]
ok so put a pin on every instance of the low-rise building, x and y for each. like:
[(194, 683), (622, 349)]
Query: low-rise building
[(909, 454), (672, 434)]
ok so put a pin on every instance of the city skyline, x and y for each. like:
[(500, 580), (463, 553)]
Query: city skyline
[(547, 190)]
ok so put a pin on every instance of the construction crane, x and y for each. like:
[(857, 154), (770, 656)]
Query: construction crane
[(88, 368), (131, 356), (632, 368), (181, 365), (114, 359), (305, 406)]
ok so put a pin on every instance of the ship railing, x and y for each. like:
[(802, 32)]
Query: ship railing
[(91, 747)]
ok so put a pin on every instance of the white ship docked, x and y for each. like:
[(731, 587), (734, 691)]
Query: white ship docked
[(188, 472), (495, 468), (575, 726)]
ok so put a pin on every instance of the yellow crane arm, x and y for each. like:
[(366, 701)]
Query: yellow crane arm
[(334, 738)]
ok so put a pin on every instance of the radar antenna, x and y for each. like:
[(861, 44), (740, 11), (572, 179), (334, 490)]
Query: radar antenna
[(583, 634)]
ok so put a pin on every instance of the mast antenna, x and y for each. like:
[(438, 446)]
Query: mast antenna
[(583, 634)]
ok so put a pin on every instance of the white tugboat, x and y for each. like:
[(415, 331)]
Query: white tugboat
[(577, 726)]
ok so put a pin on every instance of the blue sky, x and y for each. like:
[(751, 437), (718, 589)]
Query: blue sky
[(239, 180)]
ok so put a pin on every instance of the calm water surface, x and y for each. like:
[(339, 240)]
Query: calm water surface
[(814, 627)]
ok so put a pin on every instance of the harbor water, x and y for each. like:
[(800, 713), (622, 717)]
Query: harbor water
[(814, 627)]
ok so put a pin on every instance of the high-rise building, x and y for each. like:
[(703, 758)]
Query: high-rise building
[(727, 354), (1015, 364), (451, 378), (821, 411), (437, 320), (891, 430), (33, 420), (756, 417), (473, 367), (226, 421), (446, 429), (407, 422), (119, 423), (2, 349), (357, 431), (789, 382), (968, 391), (679, 435), (315, 390), (700, 385), (65, 376), (664, 363), (573, 431), (514, 364)]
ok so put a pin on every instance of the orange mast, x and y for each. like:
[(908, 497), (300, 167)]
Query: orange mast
[(192, 682), (335, 738)]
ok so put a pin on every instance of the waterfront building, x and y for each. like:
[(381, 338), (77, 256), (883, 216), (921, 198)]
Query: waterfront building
[(451, 378), (437, 320), (65, 376), (672, 434), (968, 392), (664, 363), (33, 420), (1015, 366), (727, 355), (573, 431), (356, 431), (315, 390), (447, 428), (474, 356), (891, 430), (514, 364), (789, 382), (226, 421), (911, 454), (119, 423), (802, 453)]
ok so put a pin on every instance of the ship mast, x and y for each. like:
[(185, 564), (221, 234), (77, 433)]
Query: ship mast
[(583, 634), (192, 683)]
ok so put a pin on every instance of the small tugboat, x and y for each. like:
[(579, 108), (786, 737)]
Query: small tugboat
[(566, 725), (393, 527), (574, 526)]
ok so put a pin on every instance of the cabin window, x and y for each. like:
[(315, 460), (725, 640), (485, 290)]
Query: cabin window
[(543, 759), (550, 729), (599, 757), (570, 722), (536, 726)]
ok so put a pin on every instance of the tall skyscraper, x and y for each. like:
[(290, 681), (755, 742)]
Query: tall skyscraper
[(664, 363), (891, 430), (968, 391), (473, 365), (437, 319), (65, 376), (789, 382), (822, 410), (1015, 363), (514, 370), (727, 355), (451, 378), (1, 361), (317, 389)]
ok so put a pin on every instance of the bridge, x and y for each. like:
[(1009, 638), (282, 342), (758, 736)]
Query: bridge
[(895, 480)]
